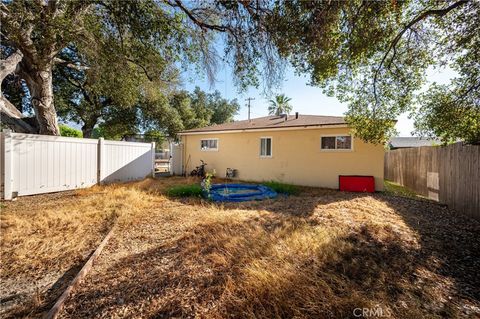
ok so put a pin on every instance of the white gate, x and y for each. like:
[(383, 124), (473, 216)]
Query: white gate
[(176, 164)]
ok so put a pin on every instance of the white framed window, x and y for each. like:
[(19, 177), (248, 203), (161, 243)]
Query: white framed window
[(209, 144), (265, 147), (336, 143)]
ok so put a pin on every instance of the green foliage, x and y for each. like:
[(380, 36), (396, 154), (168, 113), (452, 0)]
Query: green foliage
[(119, 122), (449, 114), (282, 188), (122, 109), (192, 190), (186, 110), (222, 109), (395, 189), (154, 136), (112, 89), (370, 128), (372, 55), (280, 105), (114, 55), (98, 132), (452, 111), (207, 182), (66, 130)]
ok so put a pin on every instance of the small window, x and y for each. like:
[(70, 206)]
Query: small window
[(342, 142), (209, 145), (328, 142), (265, 147)]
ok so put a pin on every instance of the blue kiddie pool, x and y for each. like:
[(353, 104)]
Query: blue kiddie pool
[(240, 192)]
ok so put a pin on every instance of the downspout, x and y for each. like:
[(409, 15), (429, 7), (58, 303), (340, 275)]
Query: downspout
[(184, 155)]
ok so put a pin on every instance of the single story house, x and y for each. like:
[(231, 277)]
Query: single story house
[(309, 150), (411, 141)]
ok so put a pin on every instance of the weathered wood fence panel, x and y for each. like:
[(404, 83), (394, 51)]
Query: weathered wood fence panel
[(448, 174)]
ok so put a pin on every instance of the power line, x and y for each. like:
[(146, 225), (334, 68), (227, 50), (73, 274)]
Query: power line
[(249, 99)]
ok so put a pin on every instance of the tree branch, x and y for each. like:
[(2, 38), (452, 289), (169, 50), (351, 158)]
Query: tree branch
[(9, 65), (69, 80), (144, 69), (70, 64), (141, 67), (420, 17), (203, 25), (10, 115), (475, 86)]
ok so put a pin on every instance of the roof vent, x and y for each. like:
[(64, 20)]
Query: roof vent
[(284, 116), (296, 115)]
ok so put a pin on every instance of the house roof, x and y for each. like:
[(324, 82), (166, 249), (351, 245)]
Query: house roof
[(272, 122), (404, 142)]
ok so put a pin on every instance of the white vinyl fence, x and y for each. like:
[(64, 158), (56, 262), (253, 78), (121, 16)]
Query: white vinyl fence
[(35, 164)]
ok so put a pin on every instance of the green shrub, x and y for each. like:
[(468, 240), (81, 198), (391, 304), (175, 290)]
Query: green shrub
[(68, 131), (192, 190), (282, 188)]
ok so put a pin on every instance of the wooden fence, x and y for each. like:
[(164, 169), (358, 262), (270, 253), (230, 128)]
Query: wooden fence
[(448, 174)]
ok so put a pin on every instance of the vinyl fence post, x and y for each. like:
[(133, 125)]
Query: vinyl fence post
[(8, 167), (170, 154), (101, 163), (153, 159)]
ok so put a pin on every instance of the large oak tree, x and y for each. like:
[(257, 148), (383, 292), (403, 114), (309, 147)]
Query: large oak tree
[(141, 35), (371, 54)]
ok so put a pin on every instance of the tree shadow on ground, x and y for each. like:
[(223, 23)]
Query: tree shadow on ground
[(38, 304), (448, 239), (314, 255)]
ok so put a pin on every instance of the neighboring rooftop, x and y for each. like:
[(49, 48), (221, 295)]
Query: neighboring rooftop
[(406, 142), (273, 121)]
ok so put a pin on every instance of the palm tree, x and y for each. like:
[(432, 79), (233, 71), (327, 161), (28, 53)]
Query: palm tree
[(280, 105)]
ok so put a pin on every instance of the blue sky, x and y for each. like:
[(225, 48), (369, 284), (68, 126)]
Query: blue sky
[(305, 99)]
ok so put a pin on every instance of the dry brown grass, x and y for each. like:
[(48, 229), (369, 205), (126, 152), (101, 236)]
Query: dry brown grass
[(44, 237), (317, 255)]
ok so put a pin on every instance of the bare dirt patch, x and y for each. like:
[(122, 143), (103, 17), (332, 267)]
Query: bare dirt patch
[(320, 254)]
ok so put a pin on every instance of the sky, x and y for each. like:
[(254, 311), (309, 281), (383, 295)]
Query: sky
[(305, 99)]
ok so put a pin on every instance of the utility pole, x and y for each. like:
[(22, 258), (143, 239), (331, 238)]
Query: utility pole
[(249, 99)]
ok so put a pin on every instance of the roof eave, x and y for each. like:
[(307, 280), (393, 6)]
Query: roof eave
[(264, 129)]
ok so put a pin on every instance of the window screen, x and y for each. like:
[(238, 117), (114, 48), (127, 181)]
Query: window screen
[(211, 144), (344, 142), (341, 142), (328, 142), (265, 146)]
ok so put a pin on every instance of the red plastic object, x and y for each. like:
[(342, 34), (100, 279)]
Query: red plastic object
[(356, 183)]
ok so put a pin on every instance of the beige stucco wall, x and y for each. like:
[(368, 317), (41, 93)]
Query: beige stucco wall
[(296, 157)]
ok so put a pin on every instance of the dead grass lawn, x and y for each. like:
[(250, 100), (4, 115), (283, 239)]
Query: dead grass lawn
[(317, 255), (46, 239)]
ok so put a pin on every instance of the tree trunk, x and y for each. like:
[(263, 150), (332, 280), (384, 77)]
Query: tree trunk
[(39, 81), (87, 130)]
